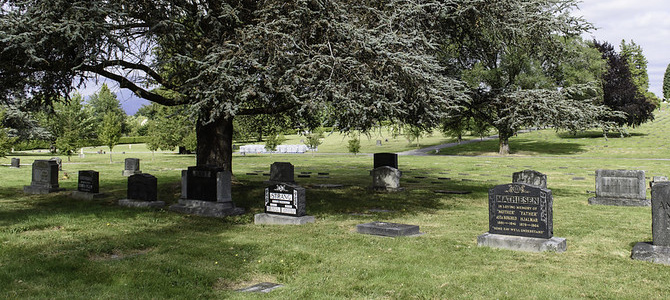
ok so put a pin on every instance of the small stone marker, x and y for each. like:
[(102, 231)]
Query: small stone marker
[(659, 250), (285, 204), (531, 177), (282, 172), (16, 163), (385, 159), (386, 178), (379, 143), (263, 287), (521, 218), (388, 229), (206, 191), (142, 192), (132, 166), (44, 178), (88, 185), (620, 188)]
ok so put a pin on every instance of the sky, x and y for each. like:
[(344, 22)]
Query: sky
[(646, 22)]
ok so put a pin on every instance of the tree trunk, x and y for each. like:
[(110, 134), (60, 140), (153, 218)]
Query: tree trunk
[(215, 144), (503, 138)]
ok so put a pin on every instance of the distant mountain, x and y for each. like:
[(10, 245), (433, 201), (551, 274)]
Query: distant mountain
[(130, 102)]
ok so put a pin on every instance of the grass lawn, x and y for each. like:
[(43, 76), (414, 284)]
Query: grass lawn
[(52, 246)]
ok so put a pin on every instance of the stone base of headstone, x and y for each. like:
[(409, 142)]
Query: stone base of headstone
[(522, 243), (39, 190), (86, 195), (619, 201), (388, 229), (274, 219), (206, 208), (129, 173), (649, 252), (141, 203)]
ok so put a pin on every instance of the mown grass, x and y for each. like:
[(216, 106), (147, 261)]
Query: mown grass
[(53, 246)]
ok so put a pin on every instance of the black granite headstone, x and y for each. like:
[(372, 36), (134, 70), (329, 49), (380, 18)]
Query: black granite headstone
[(282, 172), (521, 209), (385, 159), (88, 181), (285, 199), (202, 183), (143, 187)]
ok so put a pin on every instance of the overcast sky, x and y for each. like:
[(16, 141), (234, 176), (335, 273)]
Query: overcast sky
[(647, 22)]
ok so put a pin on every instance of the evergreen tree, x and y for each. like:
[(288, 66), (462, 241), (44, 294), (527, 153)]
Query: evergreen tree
[(666, 83), (109, 133), (70, 125), (637, 64), (104, 102)]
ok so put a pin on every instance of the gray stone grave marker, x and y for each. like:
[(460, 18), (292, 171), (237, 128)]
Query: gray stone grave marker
[(657, 179), (620, 188), (521, 218), (658, 251), (379, 143), (206, 191), (531, 177), (388, 229), (132, 166), (44, 178), (142, 192), (386, 178), (16, 163)]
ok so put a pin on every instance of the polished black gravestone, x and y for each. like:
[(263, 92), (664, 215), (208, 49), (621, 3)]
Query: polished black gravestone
[(620, 188), (206, 191), (388, 229), (531, 177), (44, 178), (88, 185), (282, 172), (657, 251), (284, 204), (132, 166), (385, 159), (521, 218), (142, 192)]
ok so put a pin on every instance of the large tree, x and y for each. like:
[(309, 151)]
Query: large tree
[(511, 53), (666, 83), (361, 62), (70, 125)]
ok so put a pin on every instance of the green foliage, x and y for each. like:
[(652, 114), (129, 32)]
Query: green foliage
[(109, 133), (70, 124), (314, 138), (666, 83), (170, 127), (273, 140), (637, 64), (133, 139), (105, 102), (6, 141), (254, 127), (354, 145)]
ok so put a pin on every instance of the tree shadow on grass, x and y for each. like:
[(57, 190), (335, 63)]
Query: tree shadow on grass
[(592, 134), (517, 146)]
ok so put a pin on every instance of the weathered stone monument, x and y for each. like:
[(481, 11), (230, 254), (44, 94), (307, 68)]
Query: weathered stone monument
[(206, 191), (282, 172), (620, 188), (284, 204), (88, 185), (531, 177), (658, 251), (388, 229), (386, 178), (16, 163), (142, 192), (132, 167), (44, 178), (521, 218)]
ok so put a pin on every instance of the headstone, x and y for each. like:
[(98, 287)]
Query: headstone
[(142, 192), (132, 166), (88, 185), (620, 188), (379, 142), (521, 218), (388, 229), (531, 177), (282, 172), (657, 179), (658, 251), (386, 178), (284, 204), (44, 178), (206, 191), (58, 161), (16, 162), (385, 159)]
